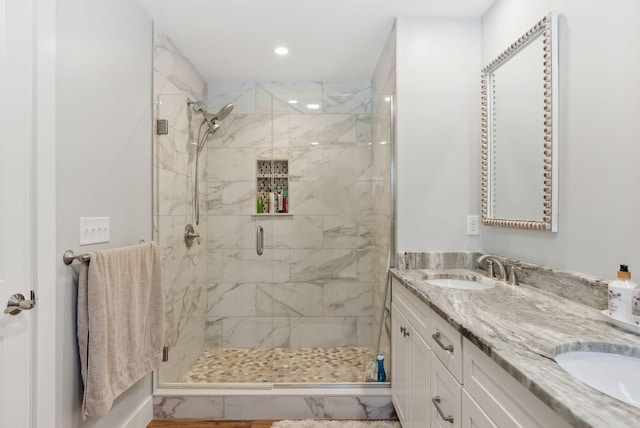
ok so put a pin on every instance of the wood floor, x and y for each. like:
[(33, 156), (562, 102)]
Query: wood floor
[(203, 423), (191, 423)]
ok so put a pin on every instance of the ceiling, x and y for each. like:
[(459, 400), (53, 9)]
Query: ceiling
[(327, 40)]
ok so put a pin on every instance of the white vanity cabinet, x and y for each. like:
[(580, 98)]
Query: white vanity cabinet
[(441, 380), (445, 396), (410, 364), (506, 401), (400, 363), (472, 415)]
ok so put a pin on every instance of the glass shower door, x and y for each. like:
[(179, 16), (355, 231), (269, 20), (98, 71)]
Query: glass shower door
[(184, 267)]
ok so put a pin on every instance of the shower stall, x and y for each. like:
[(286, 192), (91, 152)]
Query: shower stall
[(303, 310)]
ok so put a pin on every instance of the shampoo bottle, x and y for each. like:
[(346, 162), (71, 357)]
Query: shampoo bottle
[(272, 203), (382, 375), (621, 295)]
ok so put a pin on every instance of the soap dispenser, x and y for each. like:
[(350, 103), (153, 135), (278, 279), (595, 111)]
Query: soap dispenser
[(635, 305), (621, 296)]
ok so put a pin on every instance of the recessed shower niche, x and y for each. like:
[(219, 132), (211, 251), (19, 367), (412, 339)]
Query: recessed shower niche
[(272, 187)]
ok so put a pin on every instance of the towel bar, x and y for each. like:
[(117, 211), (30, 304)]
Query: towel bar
[(68, 257)]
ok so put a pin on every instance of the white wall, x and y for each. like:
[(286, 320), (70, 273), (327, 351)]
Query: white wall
[(103, 163), (438, 105), (599, 154)]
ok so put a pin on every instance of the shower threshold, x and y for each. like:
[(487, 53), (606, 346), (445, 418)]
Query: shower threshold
[(271, 388), (302, 383)]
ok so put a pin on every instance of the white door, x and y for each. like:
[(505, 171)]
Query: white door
[(16, 142)]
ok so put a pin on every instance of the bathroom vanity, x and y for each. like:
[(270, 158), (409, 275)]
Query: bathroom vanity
[(485, 357)]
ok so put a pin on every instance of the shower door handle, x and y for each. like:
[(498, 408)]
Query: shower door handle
[(260, 240)]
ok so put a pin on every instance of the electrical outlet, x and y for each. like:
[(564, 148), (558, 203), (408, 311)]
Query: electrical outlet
[(473, 225), (94, 230)]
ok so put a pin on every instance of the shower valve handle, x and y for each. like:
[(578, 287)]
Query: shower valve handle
[(194, 236), (190, 235)]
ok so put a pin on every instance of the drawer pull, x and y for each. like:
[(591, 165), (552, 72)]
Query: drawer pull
[(402, 330), (436, 401), (436, 337)]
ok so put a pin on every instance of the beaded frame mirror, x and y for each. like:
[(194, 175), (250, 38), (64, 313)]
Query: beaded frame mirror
[(519, 151)]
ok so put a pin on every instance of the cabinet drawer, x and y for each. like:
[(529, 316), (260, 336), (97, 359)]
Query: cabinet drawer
[(506, 401), (445, 396), (446, 342), (472, 415), (416, 311)]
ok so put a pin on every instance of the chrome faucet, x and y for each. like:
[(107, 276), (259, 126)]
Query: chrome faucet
[(493, 259)]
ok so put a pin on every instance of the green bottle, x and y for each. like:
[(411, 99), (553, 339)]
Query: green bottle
[(260, 206)]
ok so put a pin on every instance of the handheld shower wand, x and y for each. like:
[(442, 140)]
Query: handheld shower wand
[(212, 122), (213, 127)]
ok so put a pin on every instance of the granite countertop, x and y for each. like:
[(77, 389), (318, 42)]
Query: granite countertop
[(522, 328)]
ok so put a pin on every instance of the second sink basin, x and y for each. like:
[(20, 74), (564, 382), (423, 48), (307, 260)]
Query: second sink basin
[(614, 374), (462, 284)]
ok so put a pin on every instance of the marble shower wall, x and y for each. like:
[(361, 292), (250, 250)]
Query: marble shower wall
[(185, 271), (312, 287), (383, 90)]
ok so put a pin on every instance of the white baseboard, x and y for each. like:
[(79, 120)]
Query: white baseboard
[(142, 417)]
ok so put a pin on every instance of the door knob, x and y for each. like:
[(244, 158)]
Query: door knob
[(17, 303)]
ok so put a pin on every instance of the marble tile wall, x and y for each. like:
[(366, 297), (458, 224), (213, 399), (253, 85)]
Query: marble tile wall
[(274, 407), (312, 286), (383, 90), (185, 270)]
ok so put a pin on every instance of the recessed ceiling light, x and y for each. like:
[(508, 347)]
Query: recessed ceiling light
[(313, 106), (383, 142), (293, 101), (281, 50), (387, 99), (315, 143)]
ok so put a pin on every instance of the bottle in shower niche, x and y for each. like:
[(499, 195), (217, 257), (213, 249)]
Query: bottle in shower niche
[(285, 201), (280, 202), (621, 296), (272, 203), (382, 375)]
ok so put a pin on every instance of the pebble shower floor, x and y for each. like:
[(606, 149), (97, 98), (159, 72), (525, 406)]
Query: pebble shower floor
[(280, 365)]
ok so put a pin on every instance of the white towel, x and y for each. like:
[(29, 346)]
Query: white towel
[(120, 322)]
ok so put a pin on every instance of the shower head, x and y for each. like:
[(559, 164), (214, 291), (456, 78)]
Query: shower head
[(224, 111), (220, 115), (213, 127)]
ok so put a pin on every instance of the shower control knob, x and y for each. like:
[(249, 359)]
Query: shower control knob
[(190, 235)]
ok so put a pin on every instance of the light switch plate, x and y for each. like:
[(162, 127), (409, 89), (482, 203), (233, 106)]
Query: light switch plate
[(94, 230)]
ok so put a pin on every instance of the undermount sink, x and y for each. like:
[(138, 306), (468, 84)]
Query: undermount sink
[(613, 374), (461, 284)]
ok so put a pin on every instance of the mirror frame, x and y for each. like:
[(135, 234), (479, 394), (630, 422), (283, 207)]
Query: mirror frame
[(547, 29)]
